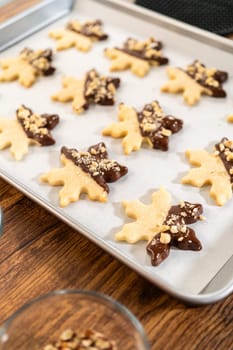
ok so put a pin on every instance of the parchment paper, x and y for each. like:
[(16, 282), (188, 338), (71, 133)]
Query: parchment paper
[(204, 125)]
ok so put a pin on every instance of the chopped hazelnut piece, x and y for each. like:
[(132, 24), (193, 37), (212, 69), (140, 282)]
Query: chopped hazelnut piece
[(165, 238), (89, 340)]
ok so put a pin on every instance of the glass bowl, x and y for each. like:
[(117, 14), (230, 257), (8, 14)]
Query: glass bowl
[(43, 320)]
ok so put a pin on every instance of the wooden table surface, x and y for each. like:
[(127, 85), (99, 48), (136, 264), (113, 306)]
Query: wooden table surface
[(39, 253)]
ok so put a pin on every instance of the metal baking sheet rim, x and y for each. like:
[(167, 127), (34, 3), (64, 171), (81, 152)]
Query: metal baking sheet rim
[(195, 33), (194, 299), (121, 5)]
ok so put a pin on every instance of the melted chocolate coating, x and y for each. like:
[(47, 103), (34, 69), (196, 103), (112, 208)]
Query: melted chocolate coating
[(212, 80), (37, 127), (224, 147), (99, 89), (157, 250), (152, 123), (221, 76), (34, 58), (141, 55), (181, 236), (131, 48), (89, 29), (96, 163)]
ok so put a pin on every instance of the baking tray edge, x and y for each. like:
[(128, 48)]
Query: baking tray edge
[(193, 299), (179, 27), (171, 24), (36, 18)]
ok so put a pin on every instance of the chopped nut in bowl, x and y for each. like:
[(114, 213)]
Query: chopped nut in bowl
[(73, 320)]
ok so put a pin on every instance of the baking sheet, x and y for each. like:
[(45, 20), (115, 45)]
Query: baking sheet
[(184, 273)]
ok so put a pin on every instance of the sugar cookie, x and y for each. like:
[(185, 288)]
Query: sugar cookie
[(84, 172), (194, 81), (78, 35), (136, 55), (92, 89), (27, 66), (161, 224), (28, 128), (149, 126)]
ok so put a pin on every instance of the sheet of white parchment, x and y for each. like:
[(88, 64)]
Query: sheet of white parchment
[(204, 125)]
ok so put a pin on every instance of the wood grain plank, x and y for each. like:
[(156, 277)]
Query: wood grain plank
[(39, 254), (15, 7)]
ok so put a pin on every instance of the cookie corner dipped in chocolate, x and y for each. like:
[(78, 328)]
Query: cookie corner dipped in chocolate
[(156, 126), (37, 127), (148, 50), (96, 163), (91, 29), (40, 60), (100, 89), (225, 152), (211, 79), (177, 234)]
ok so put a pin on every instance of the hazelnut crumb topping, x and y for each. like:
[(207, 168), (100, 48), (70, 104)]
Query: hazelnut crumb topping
[(157, 127), (165, 132), (200, 73), (32, 122), (149, 50), (40, 60), (92, 29), (95, 166), (165, 238), (182, 204), (211, 78), (37, 127), (89, 340), (177, 233), (177, 221), (100, 89), (225, 150), (95, 161)]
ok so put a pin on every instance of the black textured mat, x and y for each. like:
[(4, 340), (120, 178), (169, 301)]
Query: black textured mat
[(213, 15)]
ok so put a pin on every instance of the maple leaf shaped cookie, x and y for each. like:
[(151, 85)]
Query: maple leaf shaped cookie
[(213, 169), (161, 224), (27, 129), (136, 55), (27, 66), (78, 35), (92, 89), (149, 126), (194, 81), (84, 172)]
